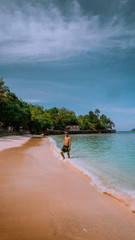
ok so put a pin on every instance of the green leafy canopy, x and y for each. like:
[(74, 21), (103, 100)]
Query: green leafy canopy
[(17, 113)]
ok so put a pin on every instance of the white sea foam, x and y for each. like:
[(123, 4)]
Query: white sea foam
[(56, 150), (128, 197)]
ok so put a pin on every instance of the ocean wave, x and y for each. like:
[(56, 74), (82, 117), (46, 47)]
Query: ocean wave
[(127, 197)]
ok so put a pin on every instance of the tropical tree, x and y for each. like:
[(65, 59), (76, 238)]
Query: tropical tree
[(17, 113), (97, 112), (14, 112), (3, 90)]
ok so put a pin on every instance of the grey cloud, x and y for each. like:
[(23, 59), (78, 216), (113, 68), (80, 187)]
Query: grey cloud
[(32, 33), (119, 110), (30, 100)]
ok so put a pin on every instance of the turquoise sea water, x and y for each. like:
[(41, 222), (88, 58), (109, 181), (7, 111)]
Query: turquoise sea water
[(109, 159)]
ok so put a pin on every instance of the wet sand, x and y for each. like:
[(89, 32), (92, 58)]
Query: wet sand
[(42, 198)]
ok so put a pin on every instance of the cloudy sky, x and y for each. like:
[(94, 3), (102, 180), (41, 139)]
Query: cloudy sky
[(77, 54)]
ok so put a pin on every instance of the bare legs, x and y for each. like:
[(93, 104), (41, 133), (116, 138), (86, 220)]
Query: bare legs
[(62, 154)]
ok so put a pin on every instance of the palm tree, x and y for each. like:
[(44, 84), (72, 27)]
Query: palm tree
[(3, 90)]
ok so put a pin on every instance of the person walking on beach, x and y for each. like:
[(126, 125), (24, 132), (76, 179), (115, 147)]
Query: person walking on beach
[(66, 146)]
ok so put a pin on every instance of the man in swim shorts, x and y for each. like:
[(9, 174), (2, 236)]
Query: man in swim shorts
[(66, 146)]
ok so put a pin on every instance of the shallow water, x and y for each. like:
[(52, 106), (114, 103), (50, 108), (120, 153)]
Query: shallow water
[(109, 160)]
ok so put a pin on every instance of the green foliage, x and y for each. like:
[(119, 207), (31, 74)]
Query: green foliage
[(3, 90), (17, 113), (94, 122), (60, 118), (14, 112)]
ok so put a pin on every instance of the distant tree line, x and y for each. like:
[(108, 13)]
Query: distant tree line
[(16, 113)]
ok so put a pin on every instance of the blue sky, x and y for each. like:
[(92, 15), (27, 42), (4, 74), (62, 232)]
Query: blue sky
[(77, 54)]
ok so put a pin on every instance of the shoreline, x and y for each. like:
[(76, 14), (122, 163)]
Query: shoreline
[(61, 132), (43, 198), (13, 141), (94, 180)]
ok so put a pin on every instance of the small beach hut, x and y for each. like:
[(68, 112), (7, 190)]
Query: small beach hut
[(72, 128)]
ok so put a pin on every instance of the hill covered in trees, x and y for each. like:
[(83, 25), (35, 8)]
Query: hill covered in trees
[(16, 113)]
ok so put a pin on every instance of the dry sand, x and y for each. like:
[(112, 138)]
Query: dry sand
[(11, 141), (42, 198)]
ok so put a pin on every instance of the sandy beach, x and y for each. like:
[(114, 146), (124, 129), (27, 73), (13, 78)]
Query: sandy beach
[(12, 141), (42, 198)]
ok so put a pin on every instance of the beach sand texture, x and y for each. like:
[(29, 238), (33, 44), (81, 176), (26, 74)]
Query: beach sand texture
[(11, 141), (42, 198)]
